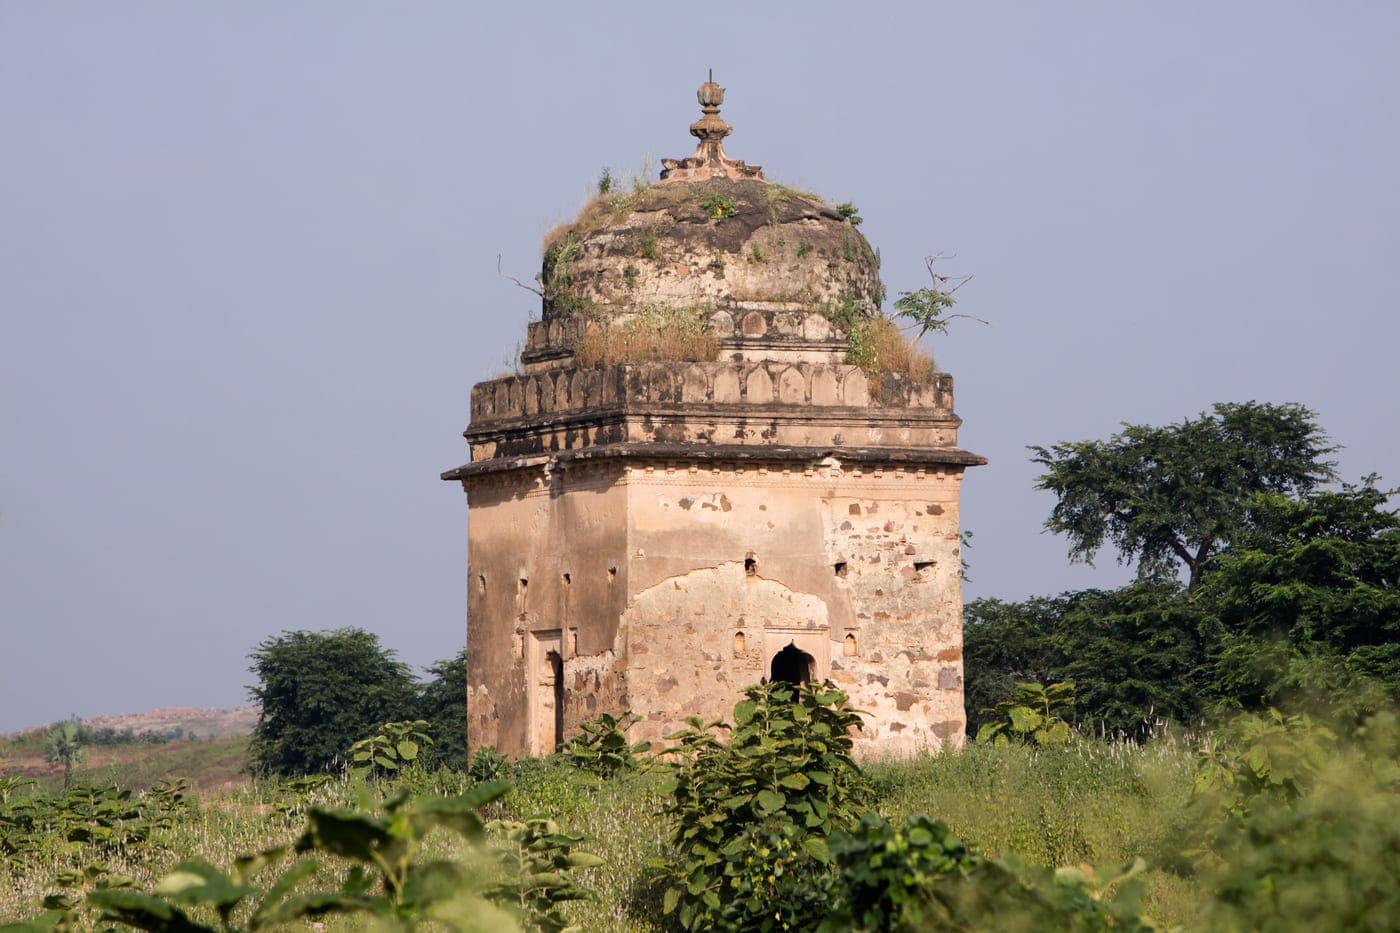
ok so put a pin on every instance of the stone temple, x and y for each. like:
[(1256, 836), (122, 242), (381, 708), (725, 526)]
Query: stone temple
[(689, 488)]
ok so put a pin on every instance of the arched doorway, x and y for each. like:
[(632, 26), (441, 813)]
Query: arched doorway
[(792, 665)]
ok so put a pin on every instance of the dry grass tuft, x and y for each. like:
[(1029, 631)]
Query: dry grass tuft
[(896, 353), (655, 334)]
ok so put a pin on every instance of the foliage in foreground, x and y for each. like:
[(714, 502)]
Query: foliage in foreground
[(752, 814), (515, 875), (771, 833), (1274, 822)]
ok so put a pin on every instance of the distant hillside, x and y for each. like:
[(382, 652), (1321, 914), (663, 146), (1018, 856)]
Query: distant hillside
[(204, 723), (215, 759), (208, 764)]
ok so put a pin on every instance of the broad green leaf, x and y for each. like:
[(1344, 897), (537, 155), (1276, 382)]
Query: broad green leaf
[(145, 911), (1024, 720), (408, 749), (45, 922), (197, 882), (770, 801), (317, 904), (285, 882), (348, 835)]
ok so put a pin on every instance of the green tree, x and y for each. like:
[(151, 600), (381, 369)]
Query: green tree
[(64, 746), (1006, 643), (1136, 654), (1173, 496), (442, 701), (321, 692), (1310, 600)]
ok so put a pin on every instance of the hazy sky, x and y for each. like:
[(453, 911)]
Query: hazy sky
[(248, 271)]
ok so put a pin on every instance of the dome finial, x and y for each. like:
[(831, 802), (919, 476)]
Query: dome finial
[(709, 160)]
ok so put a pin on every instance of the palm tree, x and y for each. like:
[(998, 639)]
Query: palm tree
[(64, 746)]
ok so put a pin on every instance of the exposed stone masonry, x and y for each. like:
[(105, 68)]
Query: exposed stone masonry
[(649, 535)]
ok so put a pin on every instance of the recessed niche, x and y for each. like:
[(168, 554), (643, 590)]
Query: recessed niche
[(840, 568), (923, 564), (739, 643), (750, 566), (850, 648), (568, 578), (612, 571), (481, 583)]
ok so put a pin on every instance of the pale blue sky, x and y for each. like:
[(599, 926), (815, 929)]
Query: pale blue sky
[(248, 271)]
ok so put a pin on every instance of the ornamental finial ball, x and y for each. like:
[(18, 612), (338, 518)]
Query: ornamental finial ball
[(710, 95)]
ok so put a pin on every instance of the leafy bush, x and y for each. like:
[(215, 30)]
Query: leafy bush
[(886, 870), (486, 764), (1309, 838), (537, 857), (1033, 714), (602, 746), (85, 822), (516, 874), (1269, 756), (718, 206), (753, 814), (396, 745)]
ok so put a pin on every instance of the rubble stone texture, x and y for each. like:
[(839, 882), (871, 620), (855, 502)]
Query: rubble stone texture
[(652, 533)]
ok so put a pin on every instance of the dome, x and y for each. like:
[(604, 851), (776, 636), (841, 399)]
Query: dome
[(766, 271), (716, 243)]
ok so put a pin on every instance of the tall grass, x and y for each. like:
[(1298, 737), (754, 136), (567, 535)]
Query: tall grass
[(1095, 802), (1092, 801)]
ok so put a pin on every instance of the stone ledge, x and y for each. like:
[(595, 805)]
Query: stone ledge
[(716, 383), (894, 457)]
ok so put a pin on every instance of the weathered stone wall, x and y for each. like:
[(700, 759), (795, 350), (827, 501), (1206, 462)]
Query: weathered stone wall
[(673, 584), (860, 569), (564, 535)]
